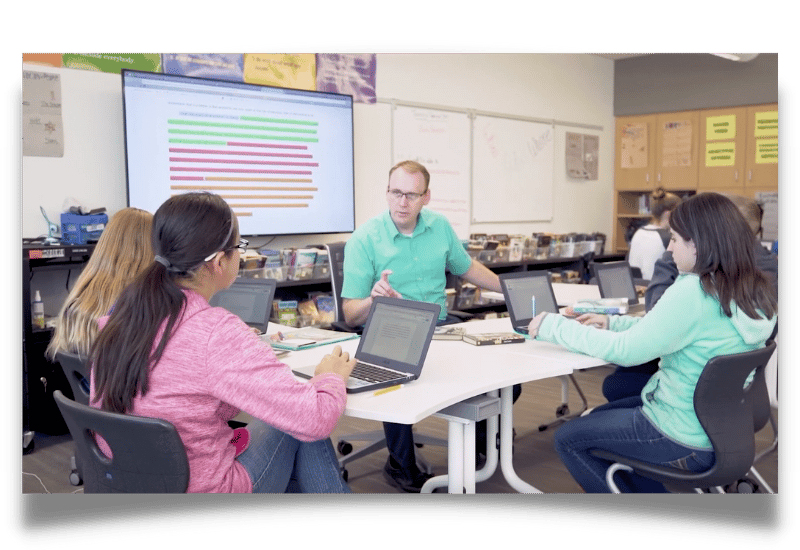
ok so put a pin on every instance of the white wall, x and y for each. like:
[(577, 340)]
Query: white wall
[(569, 87)]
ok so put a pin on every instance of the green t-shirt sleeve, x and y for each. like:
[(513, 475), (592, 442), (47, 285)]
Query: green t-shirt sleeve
[(458, 261), (359, 270)]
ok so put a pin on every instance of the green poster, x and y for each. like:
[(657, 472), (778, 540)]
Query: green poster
[(113, 62)]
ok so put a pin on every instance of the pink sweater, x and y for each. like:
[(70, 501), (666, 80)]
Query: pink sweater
[(213, 367)]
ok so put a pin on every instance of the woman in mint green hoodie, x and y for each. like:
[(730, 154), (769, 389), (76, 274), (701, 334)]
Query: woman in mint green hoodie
[(720, 304)]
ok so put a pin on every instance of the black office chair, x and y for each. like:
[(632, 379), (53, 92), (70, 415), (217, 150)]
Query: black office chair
[(725, 408), (375, 439), (77, 373), (148, 454)]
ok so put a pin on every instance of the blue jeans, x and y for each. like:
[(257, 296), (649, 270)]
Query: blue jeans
[(279, 463), (623, 428)]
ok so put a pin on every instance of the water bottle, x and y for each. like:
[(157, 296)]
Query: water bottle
[(38, 311), (533, 307)]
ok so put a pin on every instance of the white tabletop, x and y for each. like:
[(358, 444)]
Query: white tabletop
[(454, 371)]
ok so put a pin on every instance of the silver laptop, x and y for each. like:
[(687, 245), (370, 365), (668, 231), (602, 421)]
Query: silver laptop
[(615, 281), (519, 288), (249, 299), (393, 346)]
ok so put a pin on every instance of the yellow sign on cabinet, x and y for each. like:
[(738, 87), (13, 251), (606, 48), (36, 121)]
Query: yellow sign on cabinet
[(720, 127), (721, 154), (767, 151), (766, 124)]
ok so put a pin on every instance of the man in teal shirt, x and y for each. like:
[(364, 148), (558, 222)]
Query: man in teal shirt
[(405, 253)]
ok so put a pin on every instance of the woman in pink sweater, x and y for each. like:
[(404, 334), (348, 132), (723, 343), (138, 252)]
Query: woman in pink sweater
[(165, 353)]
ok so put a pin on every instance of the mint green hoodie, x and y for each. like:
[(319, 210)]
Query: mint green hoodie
[(685, 329)]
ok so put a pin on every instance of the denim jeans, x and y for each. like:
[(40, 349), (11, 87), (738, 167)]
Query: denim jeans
[(279, 463), (622, 427)]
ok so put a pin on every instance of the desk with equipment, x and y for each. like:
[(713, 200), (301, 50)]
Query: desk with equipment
[(454, 372)]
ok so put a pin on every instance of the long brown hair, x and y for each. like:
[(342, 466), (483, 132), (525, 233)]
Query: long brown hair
[(121, 253), (725, 259), (186, 230)]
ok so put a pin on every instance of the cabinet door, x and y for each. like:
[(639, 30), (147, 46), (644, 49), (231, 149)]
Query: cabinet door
[(677, 136), (634, 158), (722, 148), (761, 163)]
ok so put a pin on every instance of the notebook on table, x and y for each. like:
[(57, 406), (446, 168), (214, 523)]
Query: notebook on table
[(249, 299), (615, 281), (519, 288), (393, 345)]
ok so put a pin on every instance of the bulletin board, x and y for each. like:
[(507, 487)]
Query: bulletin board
[(512, 170), (440, 141)]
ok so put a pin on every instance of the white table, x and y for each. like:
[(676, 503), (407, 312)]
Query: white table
[(455, 371), (566, 293)]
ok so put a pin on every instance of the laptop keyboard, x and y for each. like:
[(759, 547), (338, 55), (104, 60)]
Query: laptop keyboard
[(371, 373)]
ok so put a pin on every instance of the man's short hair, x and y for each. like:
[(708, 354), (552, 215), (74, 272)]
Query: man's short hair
[(412, 167)]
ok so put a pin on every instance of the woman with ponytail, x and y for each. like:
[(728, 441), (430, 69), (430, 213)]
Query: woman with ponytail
[(165, 353)]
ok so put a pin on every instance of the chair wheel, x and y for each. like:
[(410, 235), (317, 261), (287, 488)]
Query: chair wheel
[(542, 428), (345, 474), (344, 448), (75, 479), (744, 486), (418, 445), (563, 410)]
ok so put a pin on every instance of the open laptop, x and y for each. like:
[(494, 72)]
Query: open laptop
[(393, 346), (615, 281), (518, 288), (249, 299)]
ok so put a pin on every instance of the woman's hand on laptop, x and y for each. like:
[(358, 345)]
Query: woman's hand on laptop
[(337, 363), (536, 322), (595, 319)]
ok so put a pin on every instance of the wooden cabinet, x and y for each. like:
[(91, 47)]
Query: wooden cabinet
[(677, 159), (761, 161), (634, 158), (723, 137), (730, 150)]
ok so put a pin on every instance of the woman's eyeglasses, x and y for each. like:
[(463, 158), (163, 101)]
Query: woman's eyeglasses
[(242, 246)]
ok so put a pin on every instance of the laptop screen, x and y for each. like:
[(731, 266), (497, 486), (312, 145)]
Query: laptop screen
[(614, 280), (251, 302), (396, 333), (519, 290)]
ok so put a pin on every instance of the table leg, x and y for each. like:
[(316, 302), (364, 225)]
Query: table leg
[(506, 443)]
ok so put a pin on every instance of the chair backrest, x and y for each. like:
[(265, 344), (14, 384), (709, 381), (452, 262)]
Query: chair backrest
[(725, 406), (148, 455), (77, 372), (336, 260)]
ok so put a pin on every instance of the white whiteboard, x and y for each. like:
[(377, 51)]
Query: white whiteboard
[(439, 140), (512, 170)]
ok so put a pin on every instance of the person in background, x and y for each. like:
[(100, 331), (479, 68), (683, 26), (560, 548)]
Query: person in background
[(650, 241), (629, 381), (719, 304), (122, 252), (405, 253), (165, 353)]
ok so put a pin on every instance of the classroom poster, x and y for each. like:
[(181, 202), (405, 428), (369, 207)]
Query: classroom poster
[(633, 145), (281, 69), (42, 127), (766, 124), (676, 140), (352, 74), (47, 59), (439, 140), (721, 154), (720, 127), (113, 62), (581, 155), (222, 66), (767, 151)]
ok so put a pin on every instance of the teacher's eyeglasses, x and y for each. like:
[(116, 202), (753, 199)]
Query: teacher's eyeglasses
[(410, 197)]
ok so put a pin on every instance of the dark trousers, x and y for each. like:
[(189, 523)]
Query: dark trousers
[(628, 381)]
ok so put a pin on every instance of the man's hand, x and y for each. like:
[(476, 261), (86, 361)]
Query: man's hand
[(383, 288)]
